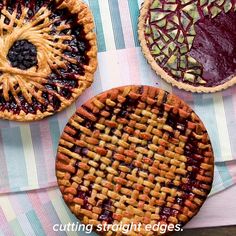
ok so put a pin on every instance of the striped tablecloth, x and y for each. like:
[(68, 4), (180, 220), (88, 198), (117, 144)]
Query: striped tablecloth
[(30, 202)]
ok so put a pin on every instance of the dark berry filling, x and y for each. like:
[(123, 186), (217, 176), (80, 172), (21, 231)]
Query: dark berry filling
[(23, 55), (106, 214), (214, 47)]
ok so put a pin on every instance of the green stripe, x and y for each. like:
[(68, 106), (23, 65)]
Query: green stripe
[(98, 21), (134, 14), (16, 228), (116, 24), (35, 223)]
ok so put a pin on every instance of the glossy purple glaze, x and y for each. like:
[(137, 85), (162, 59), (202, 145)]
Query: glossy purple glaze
[(215, 48)]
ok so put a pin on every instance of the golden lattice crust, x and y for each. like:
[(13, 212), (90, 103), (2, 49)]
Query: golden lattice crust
[(41, 90), (134, 154)]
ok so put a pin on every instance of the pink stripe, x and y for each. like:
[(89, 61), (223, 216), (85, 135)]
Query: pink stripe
[(47, 149), (126, 24), (39, 210), (3, 173), (6, 230), (231, 165), (133, 63)]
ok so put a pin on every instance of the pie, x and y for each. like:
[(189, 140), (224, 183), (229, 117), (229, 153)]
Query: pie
[(134, 154), (48, 56), (190, 44)]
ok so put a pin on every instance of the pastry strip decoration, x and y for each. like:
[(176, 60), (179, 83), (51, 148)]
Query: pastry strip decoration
[(134, 154)]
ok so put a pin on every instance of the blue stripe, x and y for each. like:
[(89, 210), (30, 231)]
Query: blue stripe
[(231, 124), (98, 21), (14, 154), (204, 107), (226, 178), (35, 223), (55, 133), (134, 14), (116, 24)]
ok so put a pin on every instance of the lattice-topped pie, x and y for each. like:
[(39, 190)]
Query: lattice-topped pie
[(191, 43), (48, 56), (134, 154)]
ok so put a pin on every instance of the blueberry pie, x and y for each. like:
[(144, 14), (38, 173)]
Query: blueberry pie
[(191, 44), (48, 56), (134, 154)]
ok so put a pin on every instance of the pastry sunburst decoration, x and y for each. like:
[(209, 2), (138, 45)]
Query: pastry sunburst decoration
[(47, 56)]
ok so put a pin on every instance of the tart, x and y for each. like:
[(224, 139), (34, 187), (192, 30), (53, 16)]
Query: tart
[(48, 56), (134, 154), (190, 44)]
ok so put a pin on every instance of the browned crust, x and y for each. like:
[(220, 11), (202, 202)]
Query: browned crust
[(85, 18), (65, 162), (162, 73)]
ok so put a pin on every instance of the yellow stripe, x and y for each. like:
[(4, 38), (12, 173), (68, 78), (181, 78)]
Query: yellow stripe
[(29, 155), (7, 208)]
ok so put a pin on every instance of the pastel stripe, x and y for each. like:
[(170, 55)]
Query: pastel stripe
[(14, 154), (47, 149), (61, 211), (35, 223), (99, 28), (106, 24), (205, 110), (25, 224), (229, 103), (5, 228), (29, 156), (4, 181), (116, 24), (126, 24), (38, 152), (221, 123), (55, 133), (134, 13), (17, 228), (7, 208)]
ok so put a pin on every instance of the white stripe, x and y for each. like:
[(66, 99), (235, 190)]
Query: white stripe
[(222, 128), (109, 69), (29, 155), (7, 208), (107, 25)]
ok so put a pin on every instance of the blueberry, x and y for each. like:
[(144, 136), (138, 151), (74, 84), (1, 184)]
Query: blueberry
[(23, 55)]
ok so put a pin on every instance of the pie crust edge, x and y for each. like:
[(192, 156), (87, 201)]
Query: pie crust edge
[(59, 166)]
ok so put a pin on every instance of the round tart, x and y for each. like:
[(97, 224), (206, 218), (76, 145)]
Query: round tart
[(190, 44), (134, 154), (48, 56)]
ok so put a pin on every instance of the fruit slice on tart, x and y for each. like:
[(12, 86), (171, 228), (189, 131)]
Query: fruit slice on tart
[(191, 44), (48, 56)]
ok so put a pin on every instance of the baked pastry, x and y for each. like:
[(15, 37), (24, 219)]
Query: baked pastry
[(134, 154), (190, 44), (48, 56)]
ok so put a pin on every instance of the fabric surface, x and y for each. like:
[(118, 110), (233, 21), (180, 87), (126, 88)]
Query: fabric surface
[(28, 150)]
